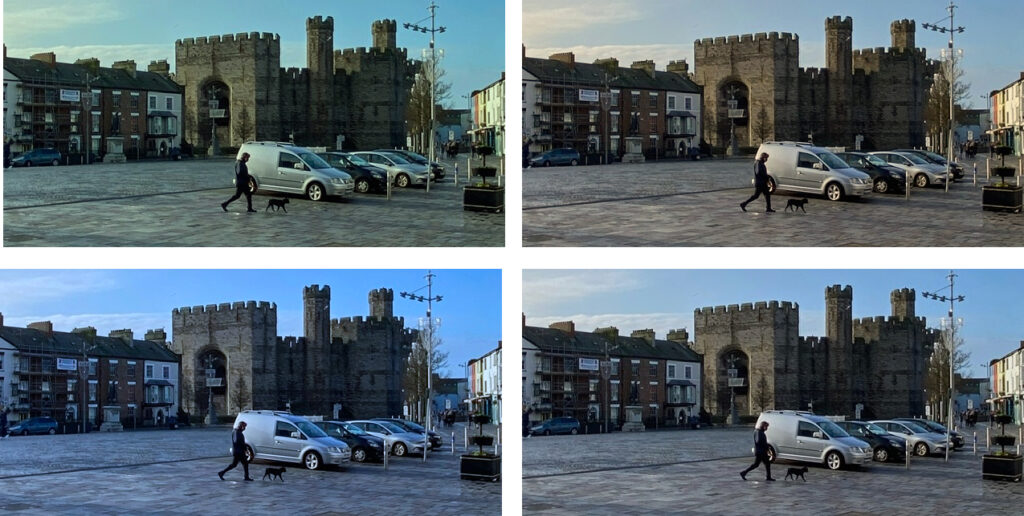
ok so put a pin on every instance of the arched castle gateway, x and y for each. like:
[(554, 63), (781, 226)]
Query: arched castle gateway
[(347, 367), (877, 362), (359, 93), (877, 93)]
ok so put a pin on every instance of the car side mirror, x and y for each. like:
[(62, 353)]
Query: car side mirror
[(817, 435), (296, 435), (817, 166)]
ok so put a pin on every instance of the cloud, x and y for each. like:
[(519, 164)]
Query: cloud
[(548, 287), (542, 20), (660, 322), (138, 322), (141, 53), (25, 19), (27, 288), (660, 53)]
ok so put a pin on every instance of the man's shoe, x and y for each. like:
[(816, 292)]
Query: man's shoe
[(220, 474), (251, 479), (769, 210), (224, 207), (250, 210), (743, 475), (769, 480), (743, 206)]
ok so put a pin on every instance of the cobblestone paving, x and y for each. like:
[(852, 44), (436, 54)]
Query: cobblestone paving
[(673, 203), (697, 472), (175, 472), (162, 203)]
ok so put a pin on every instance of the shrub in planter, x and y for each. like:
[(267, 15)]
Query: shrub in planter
[(1002, 196), (1002, 465), (480, 465)]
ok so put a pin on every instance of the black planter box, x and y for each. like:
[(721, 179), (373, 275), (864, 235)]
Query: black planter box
[(473, 467), (1010, 198), (1007, 468), (476, 198)]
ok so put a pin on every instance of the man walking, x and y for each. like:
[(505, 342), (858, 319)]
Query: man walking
[(760, 184), (3, 423), (237, 452), (760, 453), (241, 184)]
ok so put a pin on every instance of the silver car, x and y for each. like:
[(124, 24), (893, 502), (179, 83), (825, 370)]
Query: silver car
[(404, 172), (802, 167), (281, 167), (921, 440), (282, 436), (917, 168), (400, 441), (806, 437)]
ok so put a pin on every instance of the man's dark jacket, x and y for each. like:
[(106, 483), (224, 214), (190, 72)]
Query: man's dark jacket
[(760, 442), (237, 439), (760, 173)]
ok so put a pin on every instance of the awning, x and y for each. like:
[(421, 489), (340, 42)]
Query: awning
[(685, 383), (685, 114), (162, 383), (161, 114)]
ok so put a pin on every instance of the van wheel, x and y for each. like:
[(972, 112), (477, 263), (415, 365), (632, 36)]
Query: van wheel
[(771, 185), (921, 181), (402, 181), (834, 460), (771, 454), (399, 450), (834, 191), (362, 185), (249, 454), (312, 460), (881, 454), (314, 191), (921, 450), (359, 454), (881, 185)]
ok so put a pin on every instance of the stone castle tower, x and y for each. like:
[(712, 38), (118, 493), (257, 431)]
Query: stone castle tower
[(878, 94), (382, 303), (347, 367), (877, 363), (357, 93)]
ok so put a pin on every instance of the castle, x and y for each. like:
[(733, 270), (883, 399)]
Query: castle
[(871, 367), (358, 94), (348, 367), (878, 94)]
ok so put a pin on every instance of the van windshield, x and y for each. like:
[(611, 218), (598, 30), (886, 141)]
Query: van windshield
[(832, 161), (310, 429), (833, 430), (313, 160)]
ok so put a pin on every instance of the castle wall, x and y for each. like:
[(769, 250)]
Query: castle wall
[(374, 352), (379, 112)]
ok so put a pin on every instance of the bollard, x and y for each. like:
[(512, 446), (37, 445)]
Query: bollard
[(469, 169), (975, 443), (975, 174), (988, 172), (387, 451), (453, 443), (457, 173), (497, 440), (908, 454), (465, 442), (426, 443), (390, 182), (1020, 433), (987, 440)]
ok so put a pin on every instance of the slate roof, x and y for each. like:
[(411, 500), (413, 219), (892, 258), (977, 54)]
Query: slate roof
[(66, 74), (585, 343), (585, 74), (72, 344)]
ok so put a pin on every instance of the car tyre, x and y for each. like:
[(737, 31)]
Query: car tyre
[(312, 460), (881, 185), (399, 450), (359, 454), (881, 454), (362, 185), (546, 163), (834, 191), (315, 191), (402, 181), (573, 431), (547, 432), (921, 450), (834, 460), (249, 454), (52, 431), (573, 163), (921, 180), (55, 162), (771, 185)]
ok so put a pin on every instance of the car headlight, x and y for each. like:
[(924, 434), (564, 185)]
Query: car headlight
[(376, 445), (334, 449), (337, 181)]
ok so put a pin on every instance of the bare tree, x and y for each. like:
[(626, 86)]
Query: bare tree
[(244, 127), (763, 398), (415, 378), (937, 379), (936, 113), (241, 396), (418, 108), (761, 127)]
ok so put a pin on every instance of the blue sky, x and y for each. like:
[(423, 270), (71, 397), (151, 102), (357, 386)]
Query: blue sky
[(665, 30), (470, 310), (665, 299), (114, 30)]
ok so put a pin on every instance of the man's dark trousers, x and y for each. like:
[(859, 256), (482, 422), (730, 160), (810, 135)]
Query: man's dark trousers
[(758, 459), (761, 188), (236, 458)]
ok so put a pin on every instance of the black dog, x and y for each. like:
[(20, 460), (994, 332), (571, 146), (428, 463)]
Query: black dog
[(796, 203), (277, 203), (277, 472), (794, 472)]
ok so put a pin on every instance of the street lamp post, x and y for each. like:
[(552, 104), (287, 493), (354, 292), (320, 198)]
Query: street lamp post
[(429, 327), (213, 105), (433, 78), (952, 78), (952, 347)]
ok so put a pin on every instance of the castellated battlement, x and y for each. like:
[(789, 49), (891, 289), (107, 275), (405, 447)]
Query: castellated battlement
[(225, 307), (882, 52), (316, 291), (747, 307), (748, 39), (241, 37), (884, 320), (373, 52), (318, 22), (838, 22), (813, 74), (812, 341), (295, 74), (904, 25)]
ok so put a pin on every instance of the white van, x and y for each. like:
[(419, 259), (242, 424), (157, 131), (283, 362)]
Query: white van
[(281, 167), (805, 437), (802, 167), (281, 436)]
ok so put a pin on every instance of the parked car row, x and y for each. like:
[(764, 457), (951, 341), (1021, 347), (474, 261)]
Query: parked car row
[(806, 437)]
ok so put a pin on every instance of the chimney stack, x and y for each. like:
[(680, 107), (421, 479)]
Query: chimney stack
[(647, 334), (89, 333), (125, 335), (566, 326), (160, 67), (43, 326), (566, 57), (47, 57), (159, 336), (128, 66), (680, 67), (647, 66)]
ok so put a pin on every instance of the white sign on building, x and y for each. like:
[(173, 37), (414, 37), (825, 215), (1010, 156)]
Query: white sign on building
[(589, 96)]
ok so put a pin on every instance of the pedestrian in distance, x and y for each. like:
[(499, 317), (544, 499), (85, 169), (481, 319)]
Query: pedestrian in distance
[(760, 453), (3, 423), (760, 184), (237, 452), (241, 184)]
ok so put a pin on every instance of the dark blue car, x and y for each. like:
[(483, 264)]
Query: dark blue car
[(557, 425), (35, 425), (569, 157)]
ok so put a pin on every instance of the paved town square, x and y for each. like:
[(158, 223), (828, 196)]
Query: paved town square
[(177, 203), (696, 203), (175, 472), (697, 472)]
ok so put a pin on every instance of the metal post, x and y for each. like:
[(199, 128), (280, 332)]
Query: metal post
[(387, 451), (453, 443), (908, 454), (975, 174), (988, 440), (975, 442), (465, 437), (497, 440), (426, 444)]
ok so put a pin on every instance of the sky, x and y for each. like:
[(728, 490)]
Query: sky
[(665, 30), (470, 308), (665, 299), (115, 30)]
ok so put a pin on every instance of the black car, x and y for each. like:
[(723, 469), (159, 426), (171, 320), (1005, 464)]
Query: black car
[(436, 169), (956, 437), (367, 177), (938, 159), (885, 446), (364, 446), (435, 438), (885, 177)]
